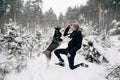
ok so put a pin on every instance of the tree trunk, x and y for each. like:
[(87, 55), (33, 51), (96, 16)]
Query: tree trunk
[(116, 6), (2, 22), (1, 25), (101, 16), (14, 16), (108, 18), (5, 17)]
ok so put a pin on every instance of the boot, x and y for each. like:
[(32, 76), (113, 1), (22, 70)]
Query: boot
[(60, 64)]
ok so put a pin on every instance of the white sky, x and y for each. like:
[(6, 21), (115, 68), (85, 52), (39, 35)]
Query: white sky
[(61, 5)]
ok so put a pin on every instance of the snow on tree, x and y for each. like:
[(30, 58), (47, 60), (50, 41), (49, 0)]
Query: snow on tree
[(17, 47), (113, 72)]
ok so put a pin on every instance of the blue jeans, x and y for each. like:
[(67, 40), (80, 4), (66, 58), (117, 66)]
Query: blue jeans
[(70, 59)]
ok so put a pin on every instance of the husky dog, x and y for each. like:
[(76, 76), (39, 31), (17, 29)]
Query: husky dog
[(54, 44), (93, 55)]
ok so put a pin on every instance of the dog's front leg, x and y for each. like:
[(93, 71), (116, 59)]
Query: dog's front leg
[(48, 63)]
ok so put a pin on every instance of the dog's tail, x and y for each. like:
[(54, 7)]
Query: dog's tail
[(39, 53), (46, 53)]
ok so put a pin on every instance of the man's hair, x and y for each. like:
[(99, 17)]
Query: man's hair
[(75, 25)]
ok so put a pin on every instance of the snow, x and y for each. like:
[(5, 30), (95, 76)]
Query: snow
[(38, 70), (115, 23), (113, 53), (18, 39)]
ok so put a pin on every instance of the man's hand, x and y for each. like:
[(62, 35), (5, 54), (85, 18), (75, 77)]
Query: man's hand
[(68, 55), (68, 26)]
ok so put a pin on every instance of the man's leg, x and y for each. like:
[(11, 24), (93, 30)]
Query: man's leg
[(58, 52), (71, 62)]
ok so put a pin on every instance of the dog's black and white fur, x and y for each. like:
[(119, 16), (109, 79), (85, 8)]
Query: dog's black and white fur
[(54, 44)]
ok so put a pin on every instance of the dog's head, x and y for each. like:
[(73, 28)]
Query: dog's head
[(57, 34), (57, 28)]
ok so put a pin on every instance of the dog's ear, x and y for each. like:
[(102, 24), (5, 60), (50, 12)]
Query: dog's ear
[(58, 27)]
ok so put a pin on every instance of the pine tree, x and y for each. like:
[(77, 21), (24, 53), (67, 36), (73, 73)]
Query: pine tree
[(32, 13), (50, 18), (61, 20), (3, 6), (16, 46)]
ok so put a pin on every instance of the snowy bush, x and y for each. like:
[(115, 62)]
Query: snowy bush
[(116, 28), (116, 32), (115, 24), (16, 46), (113, 73), (92, 54)]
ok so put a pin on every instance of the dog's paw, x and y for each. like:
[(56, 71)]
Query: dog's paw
[(38, 54)]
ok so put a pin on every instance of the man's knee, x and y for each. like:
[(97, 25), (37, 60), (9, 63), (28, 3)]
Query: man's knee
[(56, 51), (71, 67)]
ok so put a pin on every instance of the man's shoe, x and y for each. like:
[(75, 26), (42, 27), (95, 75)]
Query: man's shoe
[(60, 64), (83, 65)]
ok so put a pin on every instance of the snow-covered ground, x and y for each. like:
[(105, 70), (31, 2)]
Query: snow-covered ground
[(37, 69), (113, 53)]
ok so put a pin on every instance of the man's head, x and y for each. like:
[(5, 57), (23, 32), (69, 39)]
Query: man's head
[(74, 26)]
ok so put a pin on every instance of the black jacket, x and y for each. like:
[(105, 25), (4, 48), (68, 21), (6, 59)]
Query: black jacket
[(76, 40)]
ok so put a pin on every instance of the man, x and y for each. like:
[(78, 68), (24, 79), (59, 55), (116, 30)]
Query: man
[(73, 46)]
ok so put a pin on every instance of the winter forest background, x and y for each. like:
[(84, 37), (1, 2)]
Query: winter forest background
[(25, 30)]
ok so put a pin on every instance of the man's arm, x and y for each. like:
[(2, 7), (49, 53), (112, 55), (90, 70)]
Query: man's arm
[(66, 31)]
